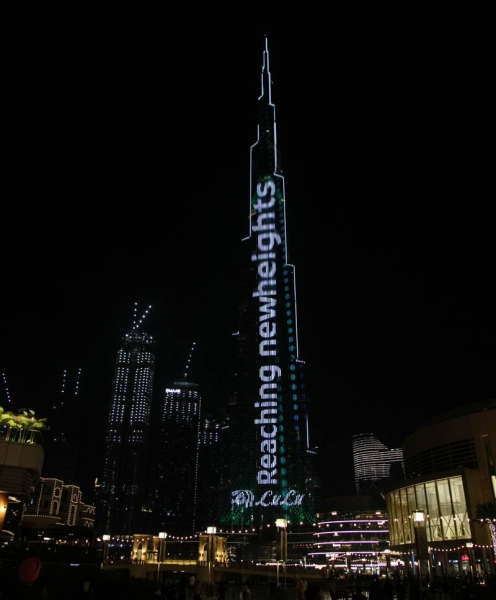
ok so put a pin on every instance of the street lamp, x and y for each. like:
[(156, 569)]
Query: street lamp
[(420, 541), (282, 525), (162, 536), (211, 531), (348, 563), (471, 561), (387, 552), (106, 539)]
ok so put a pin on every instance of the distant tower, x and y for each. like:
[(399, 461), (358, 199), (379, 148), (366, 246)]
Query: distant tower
[(62, 436), (270, 470), (122, 489), (177, 443), (209, 471), (372, 462)]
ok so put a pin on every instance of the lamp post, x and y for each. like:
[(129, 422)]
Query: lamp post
[(106, 539), (420, 542), (348, 563), (211, 531), (387, 552), (162, 536), (471, 561), (282, 525), (4, 499)]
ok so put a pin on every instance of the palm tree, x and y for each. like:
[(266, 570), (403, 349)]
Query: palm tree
[(20, 426), (486, 513)]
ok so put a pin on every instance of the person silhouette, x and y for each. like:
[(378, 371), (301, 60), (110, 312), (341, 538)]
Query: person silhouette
[(222, 590), (313, 592), (358, 594), (26, 588), (246, 591)]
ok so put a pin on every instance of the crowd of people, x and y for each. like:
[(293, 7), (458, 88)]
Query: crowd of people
[(408, 587), (31, 584), (362, 588)]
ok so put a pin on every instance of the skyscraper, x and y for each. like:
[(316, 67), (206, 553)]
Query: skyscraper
[(62, 437), (269, 469), (372, 462), (176, 479), (209, 469), (122, 493)]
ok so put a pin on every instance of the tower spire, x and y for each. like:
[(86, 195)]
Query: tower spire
[(266, 80)]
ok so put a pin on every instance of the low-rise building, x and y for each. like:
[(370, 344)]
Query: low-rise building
[(442, 516)]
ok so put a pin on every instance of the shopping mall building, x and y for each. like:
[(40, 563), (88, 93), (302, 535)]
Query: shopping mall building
[(442, 516)]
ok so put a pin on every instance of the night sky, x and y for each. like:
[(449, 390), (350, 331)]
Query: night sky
[(127, 175)]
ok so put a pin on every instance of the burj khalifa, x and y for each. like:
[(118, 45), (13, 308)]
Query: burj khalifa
[(269, 469)]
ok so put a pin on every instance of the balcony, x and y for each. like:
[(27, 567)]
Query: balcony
[(20, 464)]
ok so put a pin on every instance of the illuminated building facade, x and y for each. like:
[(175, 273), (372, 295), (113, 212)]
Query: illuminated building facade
[(209, 470), (269, 470), (54, 503), (450, 481), (372, 462), (175, 482), (354, 539), (122, 489)]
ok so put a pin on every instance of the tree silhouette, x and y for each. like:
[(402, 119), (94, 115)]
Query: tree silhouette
[(20, 425), (486, 513)]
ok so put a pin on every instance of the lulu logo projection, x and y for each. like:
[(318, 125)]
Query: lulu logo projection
[(247, 499)]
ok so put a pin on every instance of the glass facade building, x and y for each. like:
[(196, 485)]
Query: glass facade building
[(443, 500), (449, 464)]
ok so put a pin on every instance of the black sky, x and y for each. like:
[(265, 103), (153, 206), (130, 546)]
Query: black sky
[(126, 179)]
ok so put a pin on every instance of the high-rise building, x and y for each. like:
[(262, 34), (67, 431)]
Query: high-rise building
[(373, 463), (176, 478), (269, 468), (62, 434), (209, 471), (122, 494)]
